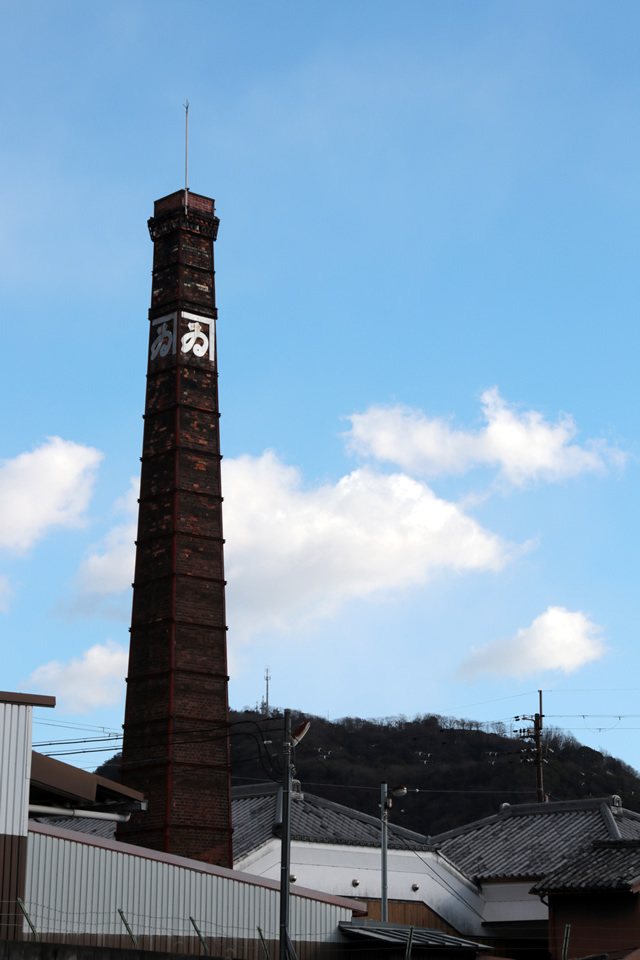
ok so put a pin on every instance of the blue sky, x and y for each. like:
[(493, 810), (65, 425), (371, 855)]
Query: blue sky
[(428, 341)]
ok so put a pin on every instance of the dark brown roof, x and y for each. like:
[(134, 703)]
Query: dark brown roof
[(27, 699), (53, 781)]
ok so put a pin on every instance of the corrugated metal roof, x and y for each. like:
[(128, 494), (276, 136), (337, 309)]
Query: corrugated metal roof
[(78, 883), (395, 933), (95, 828), (531, 840), (610, 866)]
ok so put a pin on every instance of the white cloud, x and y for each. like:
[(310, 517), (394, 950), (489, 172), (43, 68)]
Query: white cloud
[(522, 444), (295, 554), (6, 592), (558, 639), (82, 684), (48, 487), (109, 567)]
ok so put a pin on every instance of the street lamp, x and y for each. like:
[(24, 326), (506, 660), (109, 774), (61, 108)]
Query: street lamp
[(290, 740), (385, 805)]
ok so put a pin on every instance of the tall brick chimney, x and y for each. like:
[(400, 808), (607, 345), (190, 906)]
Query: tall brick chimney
[(176, 747)]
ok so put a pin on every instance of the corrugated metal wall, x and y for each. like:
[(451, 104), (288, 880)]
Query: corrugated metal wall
[(15, 767), (76, 889)]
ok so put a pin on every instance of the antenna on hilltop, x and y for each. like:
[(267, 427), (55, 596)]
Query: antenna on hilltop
[(186, 155), (267, 677)]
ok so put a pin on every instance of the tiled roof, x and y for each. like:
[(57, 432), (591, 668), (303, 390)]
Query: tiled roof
[(610, 866), (257, 816), (531, 840), (629, 825), (524, 841), (253, 819)]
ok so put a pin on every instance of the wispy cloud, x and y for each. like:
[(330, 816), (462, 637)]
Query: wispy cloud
[(48, 487), (521, 444), (82, 684), (558, 639), (109, 566), (103, 580), (6, 592)]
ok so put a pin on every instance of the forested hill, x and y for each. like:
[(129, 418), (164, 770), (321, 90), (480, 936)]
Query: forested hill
[(461, 770)]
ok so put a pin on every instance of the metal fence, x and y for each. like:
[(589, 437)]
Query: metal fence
[(190, 935)]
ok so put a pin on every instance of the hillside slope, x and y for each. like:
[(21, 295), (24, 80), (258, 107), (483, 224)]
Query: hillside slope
[(461, 772), (455, 771)]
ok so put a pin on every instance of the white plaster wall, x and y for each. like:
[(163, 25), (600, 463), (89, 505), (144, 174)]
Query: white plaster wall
[(332, 868), (512, 901)]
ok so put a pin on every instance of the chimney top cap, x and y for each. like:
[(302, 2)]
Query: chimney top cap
[(203, 206)]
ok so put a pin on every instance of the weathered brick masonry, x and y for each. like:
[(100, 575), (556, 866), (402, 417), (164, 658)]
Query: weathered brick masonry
[(176, 747)]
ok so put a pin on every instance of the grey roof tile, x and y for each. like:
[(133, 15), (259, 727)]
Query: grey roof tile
[(610, 866), (257, 817), (253, 819), (531, 840), (629, 825), (525, 841), (323, 821)]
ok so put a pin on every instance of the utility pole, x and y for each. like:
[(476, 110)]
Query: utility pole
[(386, 802), (291, 740), (535, 734), (384, 824), (538, 741), (285, 858)]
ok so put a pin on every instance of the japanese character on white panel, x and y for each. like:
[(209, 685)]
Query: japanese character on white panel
[(166, 332), (200, 336)]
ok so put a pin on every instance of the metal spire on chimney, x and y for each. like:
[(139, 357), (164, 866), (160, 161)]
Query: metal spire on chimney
[(186, 156)]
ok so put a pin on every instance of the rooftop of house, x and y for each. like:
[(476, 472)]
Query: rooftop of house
[(529, 841), (609, 866), (257, 818), (520, 842)]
